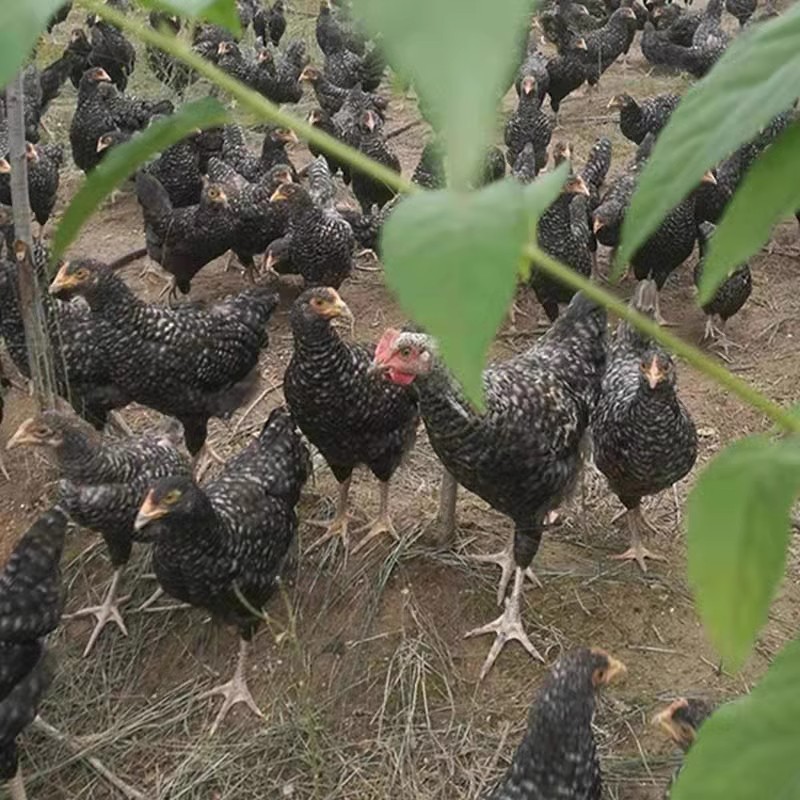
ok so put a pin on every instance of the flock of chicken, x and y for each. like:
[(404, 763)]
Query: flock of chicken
[(575, 393)]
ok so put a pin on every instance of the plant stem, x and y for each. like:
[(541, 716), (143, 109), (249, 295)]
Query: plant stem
[(701, 362), (254, 102)]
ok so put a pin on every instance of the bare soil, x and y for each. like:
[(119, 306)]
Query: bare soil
[(368, 686)]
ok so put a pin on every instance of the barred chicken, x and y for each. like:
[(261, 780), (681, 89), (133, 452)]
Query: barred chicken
[(31, 602), (558, 755), (638, 118), (528, 123), (103, 483), (189, 363), (222, 546), (352, 417), (523, 453), (644, 438)]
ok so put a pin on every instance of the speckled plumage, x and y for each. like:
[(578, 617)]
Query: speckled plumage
[(350, 416), (528, 123), (234, 532), (557, 757), (650, 115), (606, 44), (178, 170), (373, 144), (644, 438), (190, 363), (321, 245), (112, 51), (566, 72)]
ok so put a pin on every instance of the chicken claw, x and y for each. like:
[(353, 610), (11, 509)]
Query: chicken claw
[(638, 552), (636, 521), (235, 691), (507, 627), (107, 612), (505, 560), (339, 525), (383, 522)]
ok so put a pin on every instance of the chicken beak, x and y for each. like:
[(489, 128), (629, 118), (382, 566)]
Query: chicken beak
[(222, 48), (270, 261), (613, 102), (278, 195), (528, 85), (149, 512), (616, 670), (653, 374), (30, 153), (62, 280), (102, 75), (5, 167), (580, 187), (102, 144), (581, 44), (709, 177), (664, 720), (597, 225), (305, 75), (22, 436)]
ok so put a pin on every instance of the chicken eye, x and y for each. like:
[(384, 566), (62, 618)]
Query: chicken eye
[(172, 497), (405, 352), (599, 676), (82, 274)]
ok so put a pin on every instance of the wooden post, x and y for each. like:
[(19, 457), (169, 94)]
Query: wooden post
[(40, 359)]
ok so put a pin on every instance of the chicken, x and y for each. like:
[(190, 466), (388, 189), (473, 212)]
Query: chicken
[(32, 107), (638, 118), (681, 720), (534, 66), (81, 364), (174, 74), (558, 755), (229, 539), (184, 240), (606, 44), (269, 24), (677, 23), (352, 417), (321, 243), (346, 69), (528, 123), (330, 33), (566, 73), (563, 232), (321, 120), (78, 49), (178, 170), (111, 51), (189, 363), (564, 20), (44, 164), (31, 602), (644, 438), (273, 149), (372, 143), (103, 483), (697, 59), (258, 221), (523, 453), (430, 171), (729, 298), (288, 68)]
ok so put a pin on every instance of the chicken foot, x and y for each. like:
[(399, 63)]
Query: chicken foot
[(339, 525), (507, 627), (505, 560), (718, 337), (235, 691), (382, 523), (107, 611), (637, 552)]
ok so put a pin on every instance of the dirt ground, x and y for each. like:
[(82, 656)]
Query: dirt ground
[(368, 686)]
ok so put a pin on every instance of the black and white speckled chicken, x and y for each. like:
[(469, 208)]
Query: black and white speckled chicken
[(44, 166), (231, 537), (606, 44), (729, 298), (269, 23), (563, 232), (534, 66), (681, 720), (170, 71), (710, 26), (430, 171), (524, 169), (111, 51), (678, 24), (191, 363), (528, 123), (638, 118), (206, 39), (697, 59), (279, 80), (351, 416), (258, 222), (32, 108), (558, 755), (273, 149), (31, 602), (643, 436), (103, 483), (523, 453), (566, 72), (82, 374), (344, 68), (178, 170), (563, 20), (183, 240), (331, 31), (320, 119), (321, 242), (372, 143), (78, 49)]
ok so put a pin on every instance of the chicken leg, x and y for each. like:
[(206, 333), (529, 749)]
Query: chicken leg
[(383, 522), (107, 612), (637, 552), (16, 787), (505, 560), (507, 627), (3, 469), (338, 526), (442, 530), (235, 691)]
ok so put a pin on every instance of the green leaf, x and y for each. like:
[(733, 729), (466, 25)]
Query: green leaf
[(756, 79), (219, 12), (738, 530), (21, 22), (452, 259), (123, 161), (769, 192), (460, 54), (748, 748)]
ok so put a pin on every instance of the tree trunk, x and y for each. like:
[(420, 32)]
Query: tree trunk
[(40, 357)]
